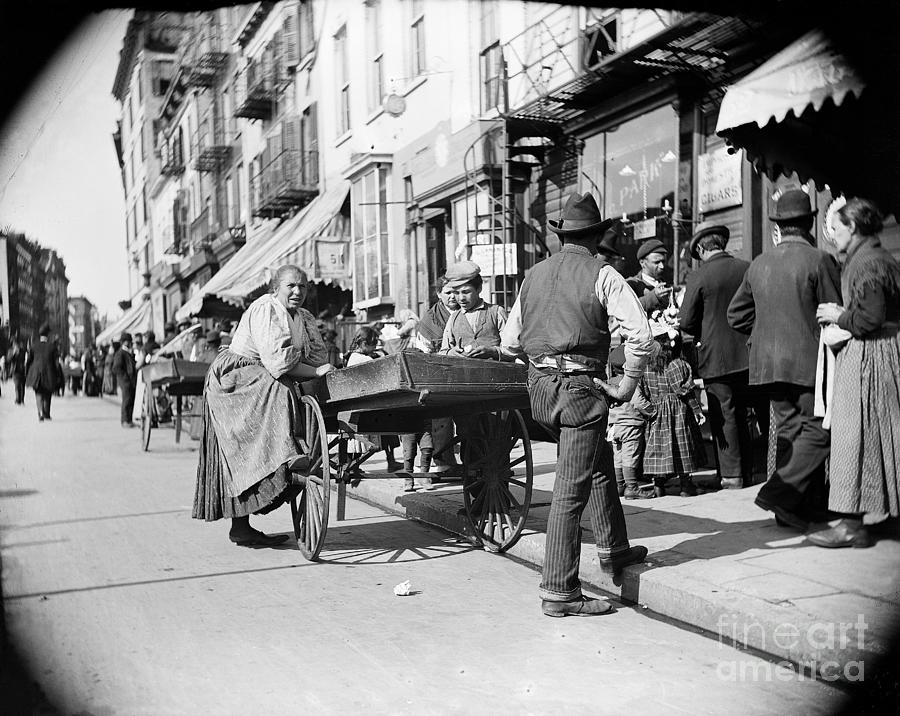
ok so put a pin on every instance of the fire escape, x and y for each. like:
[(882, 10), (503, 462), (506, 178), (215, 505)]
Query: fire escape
[(287, 175), (205, 57)]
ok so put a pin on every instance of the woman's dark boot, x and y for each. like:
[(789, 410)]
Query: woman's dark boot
[(686, 486), (659, 486)]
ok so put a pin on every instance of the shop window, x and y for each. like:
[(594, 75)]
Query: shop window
[(634, 168), (371, 248)]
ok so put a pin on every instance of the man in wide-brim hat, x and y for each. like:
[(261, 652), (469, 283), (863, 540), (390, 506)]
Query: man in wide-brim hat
[(722, 352), (560, 321), (776, 304)]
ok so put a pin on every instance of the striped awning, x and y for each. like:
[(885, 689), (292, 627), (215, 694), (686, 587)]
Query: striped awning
[(137, 319), (293, 241)]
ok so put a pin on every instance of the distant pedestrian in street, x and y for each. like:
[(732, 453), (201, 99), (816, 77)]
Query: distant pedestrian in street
[(109, 376), (722, 354), (124, 368), (43, 372), (89, 368), (252, 410), (776, 304), (76, 373), (674, 444), (560, 321), (648, 283), (15, 364), (865, 417)]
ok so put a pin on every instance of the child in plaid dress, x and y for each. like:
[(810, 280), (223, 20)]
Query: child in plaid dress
[(674, 444)]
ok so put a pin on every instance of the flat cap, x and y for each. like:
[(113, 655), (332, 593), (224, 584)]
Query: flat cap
[(653, 246), (462, 273)]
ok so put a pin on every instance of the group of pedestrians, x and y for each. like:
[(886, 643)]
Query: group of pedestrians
[(563, 324)]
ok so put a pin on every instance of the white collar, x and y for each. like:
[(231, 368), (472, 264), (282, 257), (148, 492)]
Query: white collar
[(649, 280)]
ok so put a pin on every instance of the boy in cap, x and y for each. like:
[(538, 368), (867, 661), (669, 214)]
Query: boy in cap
[(474, 330)]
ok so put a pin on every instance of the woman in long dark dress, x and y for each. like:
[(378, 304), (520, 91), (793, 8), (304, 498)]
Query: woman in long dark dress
[(865, 418), (252, 410)]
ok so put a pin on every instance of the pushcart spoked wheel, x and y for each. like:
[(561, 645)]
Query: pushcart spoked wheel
[(147, 418), (310, 517), (499, 475)]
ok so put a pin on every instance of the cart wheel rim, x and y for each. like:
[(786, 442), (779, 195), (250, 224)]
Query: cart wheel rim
[(310, 516), (499, 476)]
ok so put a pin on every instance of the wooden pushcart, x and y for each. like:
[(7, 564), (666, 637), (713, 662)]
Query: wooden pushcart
[(179, 378), (395, 395)]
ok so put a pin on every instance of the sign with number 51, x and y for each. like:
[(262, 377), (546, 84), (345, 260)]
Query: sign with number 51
[(331, 258)]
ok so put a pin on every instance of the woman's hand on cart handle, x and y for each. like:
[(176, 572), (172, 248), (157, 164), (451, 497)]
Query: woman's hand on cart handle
[(324, 369), (621, 392)]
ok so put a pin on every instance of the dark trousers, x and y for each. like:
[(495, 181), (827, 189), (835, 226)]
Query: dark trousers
[(730, 398), (127, 388), (798, 483), (19, 382), (575, 413), (42, 400)]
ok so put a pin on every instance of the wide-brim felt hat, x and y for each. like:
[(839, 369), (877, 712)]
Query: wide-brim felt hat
[(651, 246), (580, 215), (607, 244), (793, 204), (706, 229)]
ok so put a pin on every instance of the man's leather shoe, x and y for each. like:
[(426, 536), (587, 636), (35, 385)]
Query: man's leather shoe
[(732, 483), (783, 517), (257, 539), (846, 533), (618, 562), (581, 607)]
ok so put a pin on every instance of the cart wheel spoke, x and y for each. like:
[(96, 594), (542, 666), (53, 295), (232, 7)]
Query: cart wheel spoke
[(495, 515), (311, 517)]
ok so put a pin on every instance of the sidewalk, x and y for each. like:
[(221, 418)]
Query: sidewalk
[(716, 562)]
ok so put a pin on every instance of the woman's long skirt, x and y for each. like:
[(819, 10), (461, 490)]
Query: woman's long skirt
[(865, 426), (249, 423)]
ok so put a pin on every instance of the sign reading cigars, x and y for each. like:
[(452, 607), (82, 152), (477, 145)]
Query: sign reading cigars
[(719, 180)]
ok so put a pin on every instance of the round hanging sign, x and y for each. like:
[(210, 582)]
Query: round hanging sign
[(394, 105)]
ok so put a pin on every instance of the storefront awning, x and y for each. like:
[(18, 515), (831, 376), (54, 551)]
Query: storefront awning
[(809, 111), (806, 74), (137, 319), (293, 241)]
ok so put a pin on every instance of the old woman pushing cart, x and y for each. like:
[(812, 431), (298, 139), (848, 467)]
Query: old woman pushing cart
[(252, 411)]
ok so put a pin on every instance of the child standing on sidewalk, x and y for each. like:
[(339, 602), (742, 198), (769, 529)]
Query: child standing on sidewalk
[(626, 434), (674, 443)]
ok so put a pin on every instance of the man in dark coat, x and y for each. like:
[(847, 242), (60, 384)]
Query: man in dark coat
[(647, 283), (15, 364), (43, 372), (123, 367), (776, 304), (722, 352)]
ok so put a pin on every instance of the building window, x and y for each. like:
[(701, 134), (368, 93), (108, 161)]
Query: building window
[(144, 203), (417, 39), (129, 237), (307, 31), (371, 249), (140, 84), (376, 54), (143, 145), (343, 80), (130, 112), (491, 77), (491, 59)]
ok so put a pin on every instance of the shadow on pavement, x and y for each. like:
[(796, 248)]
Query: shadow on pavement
[(386, 543)]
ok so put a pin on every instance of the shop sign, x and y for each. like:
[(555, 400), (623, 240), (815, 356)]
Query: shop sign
[(331, 258), (719, 176), (490, 258), (645, 229)]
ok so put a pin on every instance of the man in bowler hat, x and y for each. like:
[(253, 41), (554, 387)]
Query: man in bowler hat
[(123, 365), (560, 321), (647, 283), (721, 351), (776, 304)]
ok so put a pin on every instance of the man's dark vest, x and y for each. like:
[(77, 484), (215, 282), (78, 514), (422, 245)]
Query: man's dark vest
[(561, 314), (486, 332)]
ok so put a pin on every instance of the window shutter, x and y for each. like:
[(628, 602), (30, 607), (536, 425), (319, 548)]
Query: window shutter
[(290, 41), (307, 33), (290, 138)]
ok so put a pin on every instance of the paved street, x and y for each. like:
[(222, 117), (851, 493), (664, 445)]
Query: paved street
[(119, 603)]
